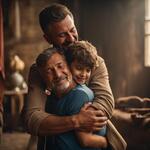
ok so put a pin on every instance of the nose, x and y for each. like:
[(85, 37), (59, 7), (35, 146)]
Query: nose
[(83, 73), (57, 73), (70, 38)]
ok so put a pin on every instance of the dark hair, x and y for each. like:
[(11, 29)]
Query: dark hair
[(84, 52), (54, 13), (43, 57)]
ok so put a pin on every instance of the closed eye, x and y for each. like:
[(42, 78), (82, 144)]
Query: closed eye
[(73, 30), (61, 65), (63, 34), (48, 71)]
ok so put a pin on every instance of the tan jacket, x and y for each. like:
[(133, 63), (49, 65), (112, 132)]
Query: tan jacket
[(99, 83), (114, 138)]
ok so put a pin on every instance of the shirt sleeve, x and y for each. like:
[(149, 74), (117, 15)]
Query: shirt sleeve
[(76, 100), (34, 107), (99, 84)]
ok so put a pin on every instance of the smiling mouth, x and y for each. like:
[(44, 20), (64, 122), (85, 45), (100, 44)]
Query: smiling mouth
[(59, 81), (81, 79)]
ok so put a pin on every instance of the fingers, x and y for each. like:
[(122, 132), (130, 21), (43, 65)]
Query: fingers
[(97, 126), (86, 106), (101, 119), (96, 129), (99, 113), (100, 124), (91, 120)]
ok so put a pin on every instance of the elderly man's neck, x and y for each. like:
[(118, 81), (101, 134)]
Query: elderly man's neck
[(62, 92)]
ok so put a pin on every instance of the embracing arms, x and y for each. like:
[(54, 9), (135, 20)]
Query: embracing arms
[(86, 139), (38, 122), (84, 120), (91, 140), (36, 119)]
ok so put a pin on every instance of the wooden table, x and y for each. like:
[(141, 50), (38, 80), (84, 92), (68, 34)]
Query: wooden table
[(15, 99)]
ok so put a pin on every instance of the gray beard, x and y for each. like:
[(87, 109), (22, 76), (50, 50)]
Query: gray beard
[(60, 90)]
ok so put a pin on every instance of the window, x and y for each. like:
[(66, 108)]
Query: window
[(147, 34)]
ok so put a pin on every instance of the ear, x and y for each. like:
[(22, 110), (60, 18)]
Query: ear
[(47, 38)]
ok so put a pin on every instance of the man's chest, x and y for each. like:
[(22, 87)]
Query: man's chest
[(56, 105)]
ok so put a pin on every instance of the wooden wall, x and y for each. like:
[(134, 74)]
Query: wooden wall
[(115, 27)]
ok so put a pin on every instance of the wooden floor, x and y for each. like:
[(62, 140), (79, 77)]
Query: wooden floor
[(15, 141)]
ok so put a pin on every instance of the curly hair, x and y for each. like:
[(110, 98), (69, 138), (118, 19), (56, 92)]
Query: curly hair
[(84, 52)]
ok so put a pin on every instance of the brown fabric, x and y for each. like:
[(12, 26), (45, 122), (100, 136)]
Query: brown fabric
[(115, 139), (99, 83), (34, 107)]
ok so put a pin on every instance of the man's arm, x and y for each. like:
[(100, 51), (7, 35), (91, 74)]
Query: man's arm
[(88, 139), (38, 121), (91, 140), (85, 120), (33, 111), (99, 83)]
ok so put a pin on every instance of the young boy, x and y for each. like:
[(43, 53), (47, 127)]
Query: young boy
[(82, 59)]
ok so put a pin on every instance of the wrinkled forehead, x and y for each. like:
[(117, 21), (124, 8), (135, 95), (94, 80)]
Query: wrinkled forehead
[(60, 26), (50, 59), (56, 58)]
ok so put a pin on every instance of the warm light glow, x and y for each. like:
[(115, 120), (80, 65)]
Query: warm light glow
[(147, 51), (147, 34)]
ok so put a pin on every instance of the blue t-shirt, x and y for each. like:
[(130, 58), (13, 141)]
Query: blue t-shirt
[(67, 105)]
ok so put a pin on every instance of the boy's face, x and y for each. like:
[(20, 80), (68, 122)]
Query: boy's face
[(79, 72)]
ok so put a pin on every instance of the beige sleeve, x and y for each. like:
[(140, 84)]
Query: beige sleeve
[(34, 107), (99, 83)]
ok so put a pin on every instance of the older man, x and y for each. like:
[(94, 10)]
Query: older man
[(59, 29)]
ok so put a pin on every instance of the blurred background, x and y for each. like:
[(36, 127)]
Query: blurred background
[(119, 29)]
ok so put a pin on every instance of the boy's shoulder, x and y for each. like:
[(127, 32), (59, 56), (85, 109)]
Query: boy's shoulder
[(83, 89)]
